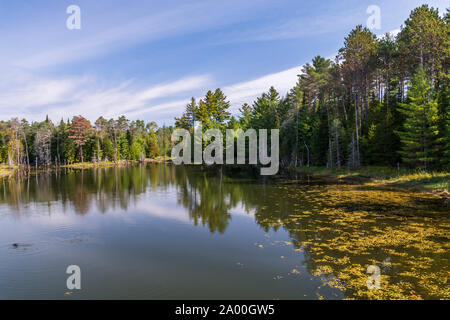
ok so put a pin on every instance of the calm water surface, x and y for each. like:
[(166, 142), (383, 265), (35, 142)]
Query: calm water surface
[(172, 232)]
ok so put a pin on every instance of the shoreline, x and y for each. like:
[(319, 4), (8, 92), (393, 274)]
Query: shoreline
[(436, 183), (106, 164), (8, 171), (120, 163)]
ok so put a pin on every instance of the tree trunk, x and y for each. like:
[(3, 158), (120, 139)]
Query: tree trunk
[(26, 149), (307, 150), (296, 139), (356, 161)]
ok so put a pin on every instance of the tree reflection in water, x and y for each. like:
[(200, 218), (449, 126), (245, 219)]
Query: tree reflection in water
[(340, 228)]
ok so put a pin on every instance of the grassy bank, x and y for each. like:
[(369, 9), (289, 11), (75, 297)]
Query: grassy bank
[(436, 182), (83, 165), (6, 171), (103, 164)]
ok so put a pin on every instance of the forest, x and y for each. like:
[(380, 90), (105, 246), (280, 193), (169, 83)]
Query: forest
[(76, 140), (381, 101)]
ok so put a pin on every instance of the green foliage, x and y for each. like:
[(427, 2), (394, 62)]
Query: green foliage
[(212, 110), (153, 149), (245, 116), (356, 111), (186, 121), (445, 112), (344, 113), (108, 149), (265, 111), (43, 143), (419, 136), (423, 41)]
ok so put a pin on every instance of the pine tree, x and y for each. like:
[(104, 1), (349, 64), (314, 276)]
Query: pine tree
[(445, 120), (358, 66), (423, 41), (264, 111), (446, 159), (245, 116), (186, 121), (153, 148), (212, 110), (419, 136)]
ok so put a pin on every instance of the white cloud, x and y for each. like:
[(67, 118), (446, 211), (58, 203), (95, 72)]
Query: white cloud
[(237, 94), (248, 91), (392, 33), (32, 97), (62, 98)]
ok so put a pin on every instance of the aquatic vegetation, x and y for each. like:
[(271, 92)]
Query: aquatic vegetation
[(434, 181), (351, 227)]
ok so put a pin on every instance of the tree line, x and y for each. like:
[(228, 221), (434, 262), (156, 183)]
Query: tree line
[(77, 140), (381, 101)]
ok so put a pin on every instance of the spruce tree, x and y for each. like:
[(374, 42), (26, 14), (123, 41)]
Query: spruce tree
[(419, 136), (446, 159)]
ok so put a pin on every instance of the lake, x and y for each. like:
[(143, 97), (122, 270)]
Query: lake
[(160, 231)]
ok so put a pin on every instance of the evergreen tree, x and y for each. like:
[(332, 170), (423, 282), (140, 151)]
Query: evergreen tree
[(245, 116), (153, 149), (419, 136), (264, 111), (212, 111), (423, 41), (186, 121)]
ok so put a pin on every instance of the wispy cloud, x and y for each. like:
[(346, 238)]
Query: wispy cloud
[(298, 26), (248, 91), (32, 97), (237, 94), (97, 39), (100, 41)]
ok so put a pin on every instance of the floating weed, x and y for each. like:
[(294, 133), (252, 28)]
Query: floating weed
[(342, 229), (295, 271)]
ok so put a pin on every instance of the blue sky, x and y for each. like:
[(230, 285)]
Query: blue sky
[(145, 59)]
